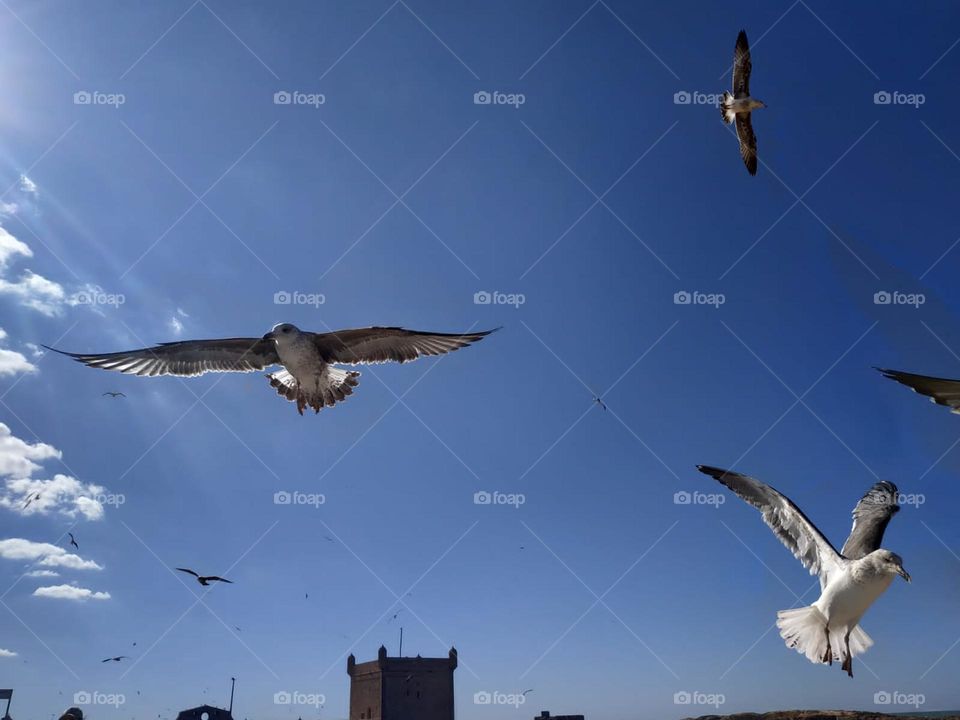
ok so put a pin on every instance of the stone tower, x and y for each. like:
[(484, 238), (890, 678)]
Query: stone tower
[(402, 688)]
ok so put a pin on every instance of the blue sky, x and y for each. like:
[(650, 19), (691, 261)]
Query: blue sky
[(182, 199)]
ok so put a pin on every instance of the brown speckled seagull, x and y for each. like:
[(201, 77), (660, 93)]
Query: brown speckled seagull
[(308, 377)]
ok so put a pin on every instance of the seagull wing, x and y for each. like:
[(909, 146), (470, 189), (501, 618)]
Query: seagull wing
[(218, 579), (741, 67), (870, 518), (939, 390), (188, 571), (385, 344), (186, 358), (748, 142), (786, 520)]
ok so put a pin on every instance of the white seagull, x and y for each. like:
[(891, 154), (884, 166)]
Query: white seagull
[(738, 105), (309, 377), (850, 580), (939, 390)]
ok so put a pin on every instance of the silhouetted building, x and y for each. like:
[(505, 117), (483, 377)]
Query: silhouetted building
[(401, 688), (205, 712), (546, 714)]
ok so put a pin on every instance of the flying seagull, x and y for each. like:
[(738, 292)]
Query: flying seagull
[(30, 499), (939, 390), (73, 541), (118, 658), (113, 394), (738, 105), (850, 580), (205, 579), (308, 378)]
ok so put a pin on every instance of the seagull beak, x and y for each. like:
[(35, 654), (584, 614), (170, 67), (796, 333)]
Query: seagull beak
[(903, 573)]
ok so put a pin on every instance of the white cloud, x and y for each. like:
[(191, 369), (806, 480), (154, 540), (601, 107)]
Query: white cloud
[(35, 292), (11, 247), (7, 653), (28, 186), (182, 313), (44, 554), (12, 362), (35, 350), (26, 495), (176, 326), (19, 458), (70, 592), (41, 573)]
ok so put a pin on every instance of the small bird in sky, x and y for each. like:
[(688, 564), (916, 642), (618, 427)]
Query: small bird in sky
[(30, 499), (526, 691), (118, 658), (73, 540), (309, 376), (394, 617), (739, 105), (204, 579), (599, 402), (113, 394)]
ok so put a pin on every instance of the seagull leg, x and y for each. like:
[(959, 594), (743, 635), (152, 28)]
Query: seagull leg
[(828, 655), (848, 658)]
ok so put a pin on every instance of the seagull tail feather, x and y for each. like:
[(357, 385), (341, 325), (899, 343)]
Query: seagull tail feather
[(803, 629), (725, 112), (331, 386)]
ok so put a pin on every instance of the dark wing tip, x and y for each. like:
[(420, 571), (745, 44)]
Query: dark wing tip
[(742, 38)]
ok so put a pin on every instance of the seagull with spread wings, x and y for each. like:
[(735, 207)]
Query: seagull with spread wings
[(738, 105), (850, 580), (205, 579), (940, 390), (309, 376)]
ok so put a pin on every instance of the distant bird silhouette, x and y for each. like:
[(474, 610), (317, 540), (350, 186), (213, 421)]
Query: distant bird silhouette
[(395, 615), (30, 499), (118, 658), (327, 537), (599, 402), (205, 579), (527, 691), (73, 541), (113, 394)]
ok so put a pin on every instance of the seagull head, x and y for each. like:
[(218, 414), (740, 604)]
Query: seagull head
[(282, 333), (892, 563)]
